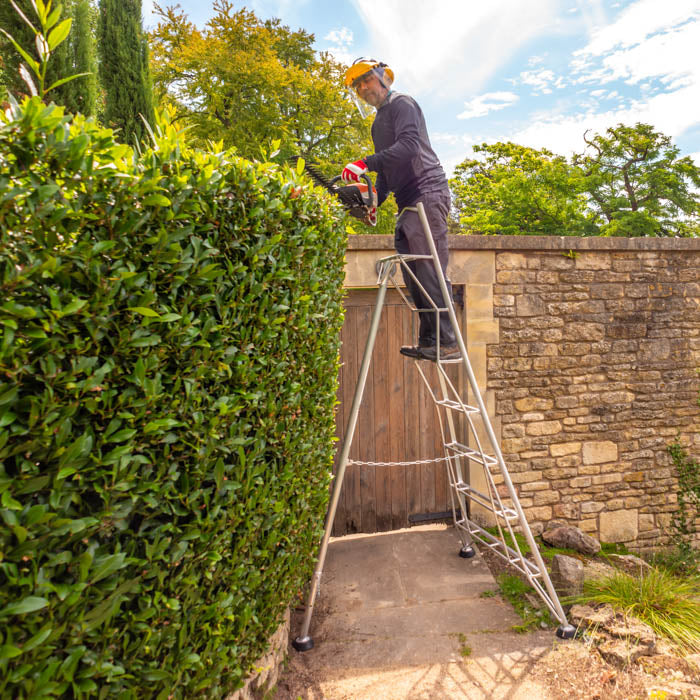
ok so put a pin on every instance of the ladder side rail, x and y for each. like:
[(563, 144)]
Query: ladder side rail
[(304, 642), (487, 423)]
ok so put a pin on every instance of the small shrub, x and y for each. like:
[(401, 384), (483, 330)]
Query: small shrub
[(670, 606)]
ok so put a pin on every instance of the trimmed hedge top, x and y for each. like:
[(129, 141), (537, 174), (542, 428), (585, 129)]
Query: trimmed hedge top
[(169, 332)]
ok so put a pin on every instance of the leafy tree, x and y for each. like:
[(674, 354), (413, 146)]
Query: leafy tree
[(69, 57), (516, 190), (638, 184), (81, 95), (247, 83), (124, 68)]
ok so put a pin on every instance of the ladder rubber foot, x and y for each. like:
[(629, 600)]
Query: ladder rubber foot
[(566, 631), (303, 643), (467, 552)]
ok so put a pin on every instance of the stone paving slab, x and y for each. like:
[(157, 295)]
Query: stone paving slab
[(401, 616)]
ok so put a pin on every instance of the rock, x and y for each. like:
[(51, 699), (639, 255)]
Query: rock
[(630, 564), (634, 630), (570, 537), (621, 652), (596, 569), (588, 616), (663, 664), (567, 575)]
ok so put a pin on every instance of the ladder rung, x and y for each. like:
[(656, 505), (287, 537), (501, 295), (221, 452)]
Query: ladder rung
[(484, 501), (461, 450), (456, 406)]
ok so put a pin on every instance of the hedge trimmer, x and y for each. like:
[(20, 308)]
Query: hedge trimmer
[(357, 198)]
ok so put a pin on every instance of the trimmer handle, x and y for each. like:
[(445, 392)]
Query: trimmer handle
[(366, 194)]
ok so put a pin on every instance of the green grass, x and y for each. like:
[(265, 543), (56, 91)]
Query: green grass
[(514, 590), (681, 562), (669, 605), (546, 551)]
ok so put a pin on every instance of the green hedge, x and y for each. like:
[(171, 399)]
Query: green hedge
[(169, 333)]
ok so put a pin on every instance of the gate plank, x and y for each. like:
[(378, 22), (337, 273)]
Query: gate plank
[(365, 440)]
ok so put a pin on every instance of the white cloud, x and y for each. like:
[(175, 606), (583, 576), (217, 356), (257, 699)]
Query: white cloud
[(451, 47), (642, 48), (489, 102), (667, 112), (341, 41), (639, 21)]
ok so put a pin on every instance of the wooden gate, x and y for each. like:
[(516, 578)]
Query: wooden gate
[(397, 423)]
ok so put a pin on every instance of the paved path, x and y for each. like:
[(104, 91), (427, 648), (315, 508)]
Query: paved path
[(401, 616)]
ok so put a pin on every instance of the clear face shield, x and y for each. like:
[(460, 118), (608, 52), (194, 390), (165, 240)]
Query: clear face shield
[(363, 108)]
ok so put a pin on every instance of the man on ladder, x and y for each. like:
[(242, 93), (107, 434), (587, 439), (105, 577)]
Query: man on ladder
[(406, 165)]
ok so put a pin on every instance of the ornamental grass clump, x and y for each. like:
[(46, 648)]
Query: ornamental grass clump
[(169, 335), (669, 605)]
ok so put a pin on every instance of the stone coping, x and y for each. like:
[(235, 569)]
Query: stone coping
[(456, 242)]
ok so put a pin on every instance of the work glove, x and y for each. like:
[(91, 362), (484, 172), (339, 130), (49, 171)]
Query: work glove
[(371, 218), (354, 171)]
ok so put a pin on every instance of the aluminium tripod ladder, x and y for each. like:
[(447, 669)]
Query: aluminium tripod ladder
[(506, 510)]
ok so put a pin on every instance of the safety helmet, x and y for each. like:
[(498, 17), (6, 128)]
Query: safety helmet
[(363, 66)]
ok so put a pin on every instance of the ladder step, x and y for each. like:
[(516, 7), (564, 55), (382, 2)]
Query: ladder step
[(461, 450), (508, 514), (456, 406)]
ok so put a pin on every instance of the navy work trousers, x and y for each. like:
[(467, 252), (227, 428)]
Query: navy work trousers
[(409, 239)]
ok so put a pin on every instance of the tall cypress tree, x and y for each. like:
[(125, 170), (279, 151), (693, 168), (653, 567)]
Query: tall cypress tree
[(124, 71), (81, 94)]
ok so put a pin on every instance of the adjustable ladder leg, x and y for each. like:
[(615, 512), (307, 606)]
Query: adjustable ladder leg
[(565, 630), (304, 642)]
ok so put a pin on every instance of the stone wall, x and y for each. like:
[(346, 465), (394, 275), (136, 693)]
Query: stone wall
[(595, 373), (587, 351)]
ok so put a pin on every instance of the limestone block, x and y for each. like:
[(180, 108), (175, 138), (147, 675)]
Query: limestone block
[(584, 331), (592, 507), (564, 448), (569, 511), (546, 497), (599, 452), (542, 513), (532, 403), (511, 261), (606, 479), (594, 260), (546, 427), (646, 522), (619, 525), (535, 486), (589, 525), (482, 331), (472, 267), (529, 305)]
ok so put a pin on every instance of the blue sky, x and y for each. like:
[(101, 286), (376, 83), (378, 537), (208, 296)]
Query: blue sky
[(537, 72)]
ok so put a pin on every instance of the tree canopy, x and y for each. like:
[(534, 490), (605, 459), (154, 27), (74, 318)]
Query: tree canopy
[(246, 83), (513, 189), (638, 185), (124, 68), (629, 181)]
